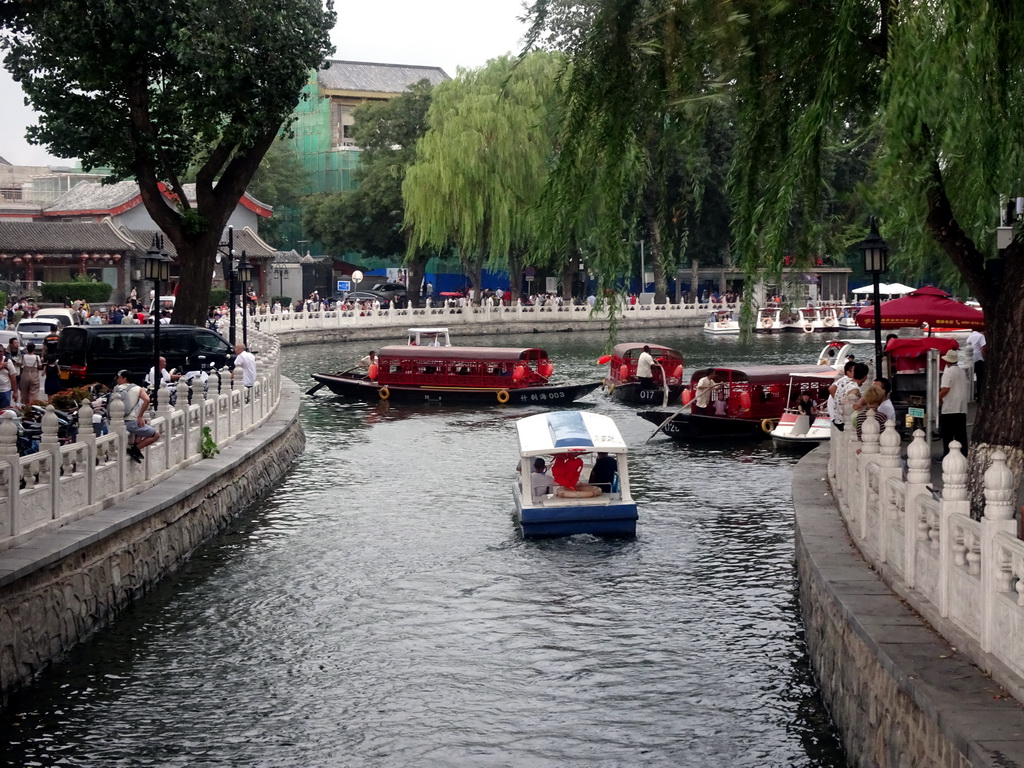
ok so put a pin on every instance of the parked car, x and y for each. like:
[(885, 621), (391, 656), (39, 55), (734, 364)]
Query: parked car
[(36, 331), (389, 291), (64, 317), (361, 296), (95, 353)]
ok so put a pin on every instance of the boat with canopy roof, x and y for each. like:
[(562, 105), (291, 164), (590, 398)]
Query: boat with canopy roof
[(575, 445), (486, 375)]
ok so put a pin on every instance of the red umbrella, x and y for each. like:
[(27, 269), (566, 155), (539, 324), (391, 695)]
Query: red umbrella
[(925, 305)]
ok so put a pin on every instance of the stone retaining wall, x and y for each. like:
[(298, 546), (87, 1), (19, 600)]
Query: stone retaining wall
[(68, 592), (899, 694)]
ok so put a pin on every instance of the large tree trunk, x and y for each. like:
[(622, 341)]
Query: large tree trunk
[(656, 254), (417, 265), (999, 423), (196, 264), (515, 276)]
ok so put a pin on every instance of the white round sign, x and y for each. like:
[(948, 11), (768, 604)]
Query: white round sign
[(357, 276)]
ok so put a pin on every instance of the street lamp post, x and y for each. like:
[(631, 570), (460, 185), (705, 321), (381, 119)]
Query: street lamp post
[(229, 278), (876, 257), (244, 273), (158, 269)]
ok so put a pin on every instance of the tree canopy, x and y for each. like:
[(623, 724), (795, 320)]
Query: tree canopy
[(483, 162), (932, 88), (278, 181), (150, 89)]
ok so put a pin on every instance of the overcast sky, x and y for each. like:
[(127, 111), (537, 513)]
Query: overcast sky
[(443, 33)]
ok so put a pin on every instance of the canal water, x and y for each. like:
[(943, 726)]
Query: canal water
[(379, 608)]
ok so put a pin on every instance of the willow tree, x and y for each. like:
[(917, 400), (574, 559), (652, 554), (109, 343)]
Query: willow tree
[(483, 162), (935, 86), (150, 89), (635, 140)]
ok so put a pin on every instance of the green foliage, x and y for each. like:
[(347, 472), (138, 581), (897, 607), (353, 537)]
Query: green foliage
[(87, 290), (150, 90), (279, 182), (286, 301), (207, 445), (482, 164), (219, 296)]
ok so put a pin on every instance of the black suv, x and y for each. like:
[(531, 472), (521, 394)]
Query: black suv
[(95, 353)]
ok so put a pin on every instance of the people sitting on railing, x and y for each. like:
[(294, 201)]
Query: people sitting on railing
[(136, 401)]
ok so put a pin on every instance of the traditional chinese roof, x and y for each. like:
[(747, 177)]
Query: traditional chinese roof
[(61, 238), (93, 198), (366, 77), (244, 240)]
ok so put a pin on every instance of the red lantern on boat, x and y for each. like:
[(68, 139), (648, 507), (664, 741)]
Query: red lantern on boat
[(545, 369), (678, 372), (372, 373), (687, 396), (744, 398), (519, 373), (623, 372), (604, 359)]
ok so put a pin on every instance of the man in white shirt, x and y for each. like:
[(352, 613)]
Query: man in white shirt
[(977, 343), (165, 377), (644, 364), (540, 481), (246, 363), (954, 389), (705, 389)]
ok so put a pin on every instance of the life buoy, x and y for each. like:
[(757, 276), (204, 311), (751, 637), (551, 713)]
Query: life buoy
[(383, 393), (502, 396), (830, 321), (611, 387), (767, 323), (808, 328), (768, 425)]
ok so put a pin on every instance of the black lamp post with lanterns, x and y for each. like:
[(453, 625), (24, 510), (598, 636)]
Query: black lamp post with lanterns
[(876, 261), (244, 274), (157, 269)]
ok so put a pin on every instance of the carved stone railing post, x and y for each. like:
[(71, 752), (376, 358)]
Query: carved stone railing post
[(889, 467), (10, 489), (87, 436), (49, 443), (955, 501), (999, 501), (919, 474), (117, 427), (868, 454)]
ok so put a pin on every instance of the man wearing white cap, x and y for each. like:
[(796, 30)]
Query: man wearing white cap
[(953, 393)]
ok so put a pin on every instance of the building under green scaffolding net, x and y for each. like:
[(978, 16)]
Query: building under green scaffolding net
[(323, 125)]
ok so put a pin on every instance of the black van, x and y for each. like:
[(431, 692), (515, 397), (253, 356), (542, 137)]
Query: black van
[(95, 353)]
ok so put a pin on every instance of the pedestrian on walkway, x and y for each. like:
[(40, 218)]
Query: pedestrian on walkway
[(953, 393)]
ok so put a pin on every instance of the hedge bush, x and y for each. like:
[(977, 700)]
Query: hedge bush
[(218, 296), (94, 293), (286, 301)]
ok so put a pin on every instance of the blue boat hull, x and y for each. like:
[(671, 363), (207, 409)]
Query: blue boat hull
[(608, 520)]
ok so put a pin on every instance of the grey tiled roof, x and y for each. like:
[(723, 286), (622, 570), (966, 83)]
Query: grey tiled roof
[(93, 196), (61, 238), (377, 78), (244, 240)]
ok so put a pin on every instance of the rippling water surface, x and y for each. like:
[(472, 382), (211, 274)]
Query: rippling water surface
[(380, 609)]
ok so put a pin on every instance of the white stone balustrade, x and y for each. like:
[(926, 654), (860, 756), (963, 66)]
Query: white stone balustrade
[(454, 316), (966, 575), (63, 483)]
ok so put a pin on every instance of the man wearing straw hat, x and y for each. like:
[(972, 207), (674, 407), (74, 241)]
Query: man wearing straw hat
[(953, 393)]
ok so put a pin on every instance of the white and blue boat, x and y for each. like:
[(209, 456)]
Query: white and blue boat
[(574, 444)]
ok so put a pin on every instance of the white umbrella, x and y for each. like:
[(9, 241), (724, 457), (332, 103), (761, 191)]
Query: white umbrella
[(884, 289)]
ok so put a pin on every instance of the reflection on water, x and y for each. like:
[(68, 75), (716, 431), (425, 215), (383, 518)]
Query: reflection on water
[(379, 608)]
